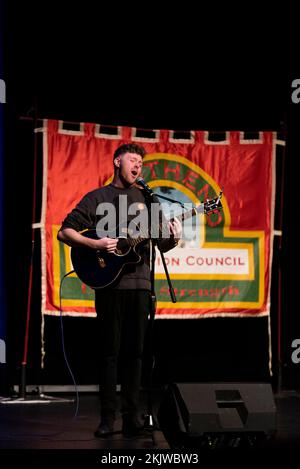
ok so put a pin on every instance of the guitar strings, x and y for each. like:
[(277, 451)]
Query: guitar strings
[(212, 204)]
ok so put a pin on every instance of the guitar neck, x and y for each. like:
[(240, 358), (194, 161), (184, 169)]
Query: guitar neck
[(135, 241), (186, 215), (206, 208)]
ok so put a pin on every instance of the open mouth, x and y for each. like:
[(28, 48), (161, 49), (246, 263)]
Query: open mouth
[(134, 173)]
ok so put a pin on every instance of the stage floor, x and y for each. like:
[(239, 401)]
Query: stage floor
[(52, 426)]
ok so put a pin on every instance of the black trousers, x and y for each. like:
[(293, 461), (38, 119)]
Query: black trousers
[(122, 318)]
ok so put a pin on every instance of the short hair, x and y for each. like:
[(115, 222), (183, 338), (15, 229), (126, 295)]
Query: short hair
[(130, 148)]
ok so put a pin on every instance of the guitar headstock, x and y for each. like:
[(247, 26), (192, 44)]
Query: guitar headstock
[(212, 205)]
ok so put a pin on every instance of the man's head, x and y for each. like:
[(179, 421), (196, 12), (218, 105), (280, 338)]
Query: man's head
[(128, 162), (130, 148)]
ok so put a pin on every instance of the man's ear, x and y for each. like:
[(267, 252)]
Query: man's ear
[(117, 162)]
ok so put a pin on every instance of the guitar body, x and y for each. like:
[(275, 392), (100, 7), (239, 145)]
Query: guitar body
[(100, 269)]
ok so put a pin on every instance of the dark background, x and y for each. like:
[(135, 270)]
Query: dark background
[(105, 69)]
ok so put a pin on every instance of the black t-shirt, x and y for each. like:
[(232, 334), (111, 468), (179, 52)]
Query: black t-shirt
[(86, 216)]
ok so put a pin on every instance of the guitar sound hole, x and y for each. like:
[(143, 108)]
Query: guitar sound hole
[(122, 246)]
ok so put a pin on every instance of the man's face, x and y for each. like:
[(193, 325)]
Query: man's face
[(130, 167)]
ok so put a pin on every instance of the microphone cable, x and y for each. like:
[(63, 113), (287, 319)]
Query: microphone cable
[(63, 342)]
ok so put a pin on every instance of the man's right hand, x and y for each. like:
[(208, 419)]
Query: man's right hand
[(106, 244), (74, 239)]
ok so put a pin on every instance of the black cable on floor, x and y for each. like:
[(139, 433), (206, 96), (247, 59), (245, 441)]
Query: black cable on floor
[(63, 342)]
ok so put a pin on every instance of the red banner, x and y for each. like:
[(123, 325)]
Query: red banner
[(222, 266)]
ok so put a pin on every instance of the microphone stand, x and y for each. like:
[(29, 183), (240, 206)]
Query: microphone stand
[(150, 424)]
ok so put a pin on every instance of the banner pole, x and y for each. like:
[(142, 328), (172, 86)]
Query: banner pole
[(22, 387), (3, 365), (279, 294), (22, 397)]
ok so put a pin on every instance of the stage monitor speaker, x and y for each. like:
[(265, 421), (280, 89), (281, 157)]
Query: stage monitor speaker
[(190, 410)]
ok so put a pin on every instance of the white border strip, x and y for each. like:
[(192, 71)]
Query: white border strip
[(99, 134), (252, 141), (36, 225), (145, 139), (182, 140), (61, 130), (278, 141), (71, 313), (212, 142), (211, 315)]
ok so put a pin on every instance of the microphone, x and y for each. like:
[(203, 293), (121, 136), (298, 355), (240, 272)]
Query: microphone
[(141, 182)]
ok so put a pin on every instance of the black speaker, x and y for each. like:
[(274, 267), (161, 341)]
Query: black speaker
[(189, 411)]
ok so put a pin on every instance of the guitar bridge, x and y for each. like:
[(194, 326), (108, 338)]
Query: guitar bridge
[(101, 262)]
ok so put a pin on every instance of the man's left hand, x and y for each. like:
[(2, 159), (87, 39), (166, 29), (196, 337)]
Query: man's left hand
[(175, 228)]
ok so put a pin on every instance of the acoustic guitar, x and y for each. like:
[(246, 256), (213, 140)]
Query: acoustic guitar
[(99, 269)]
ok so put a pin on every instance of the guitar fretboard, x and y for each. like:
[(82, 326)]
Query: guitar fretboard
[(186, 215), (205, 207), (135, 241)]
